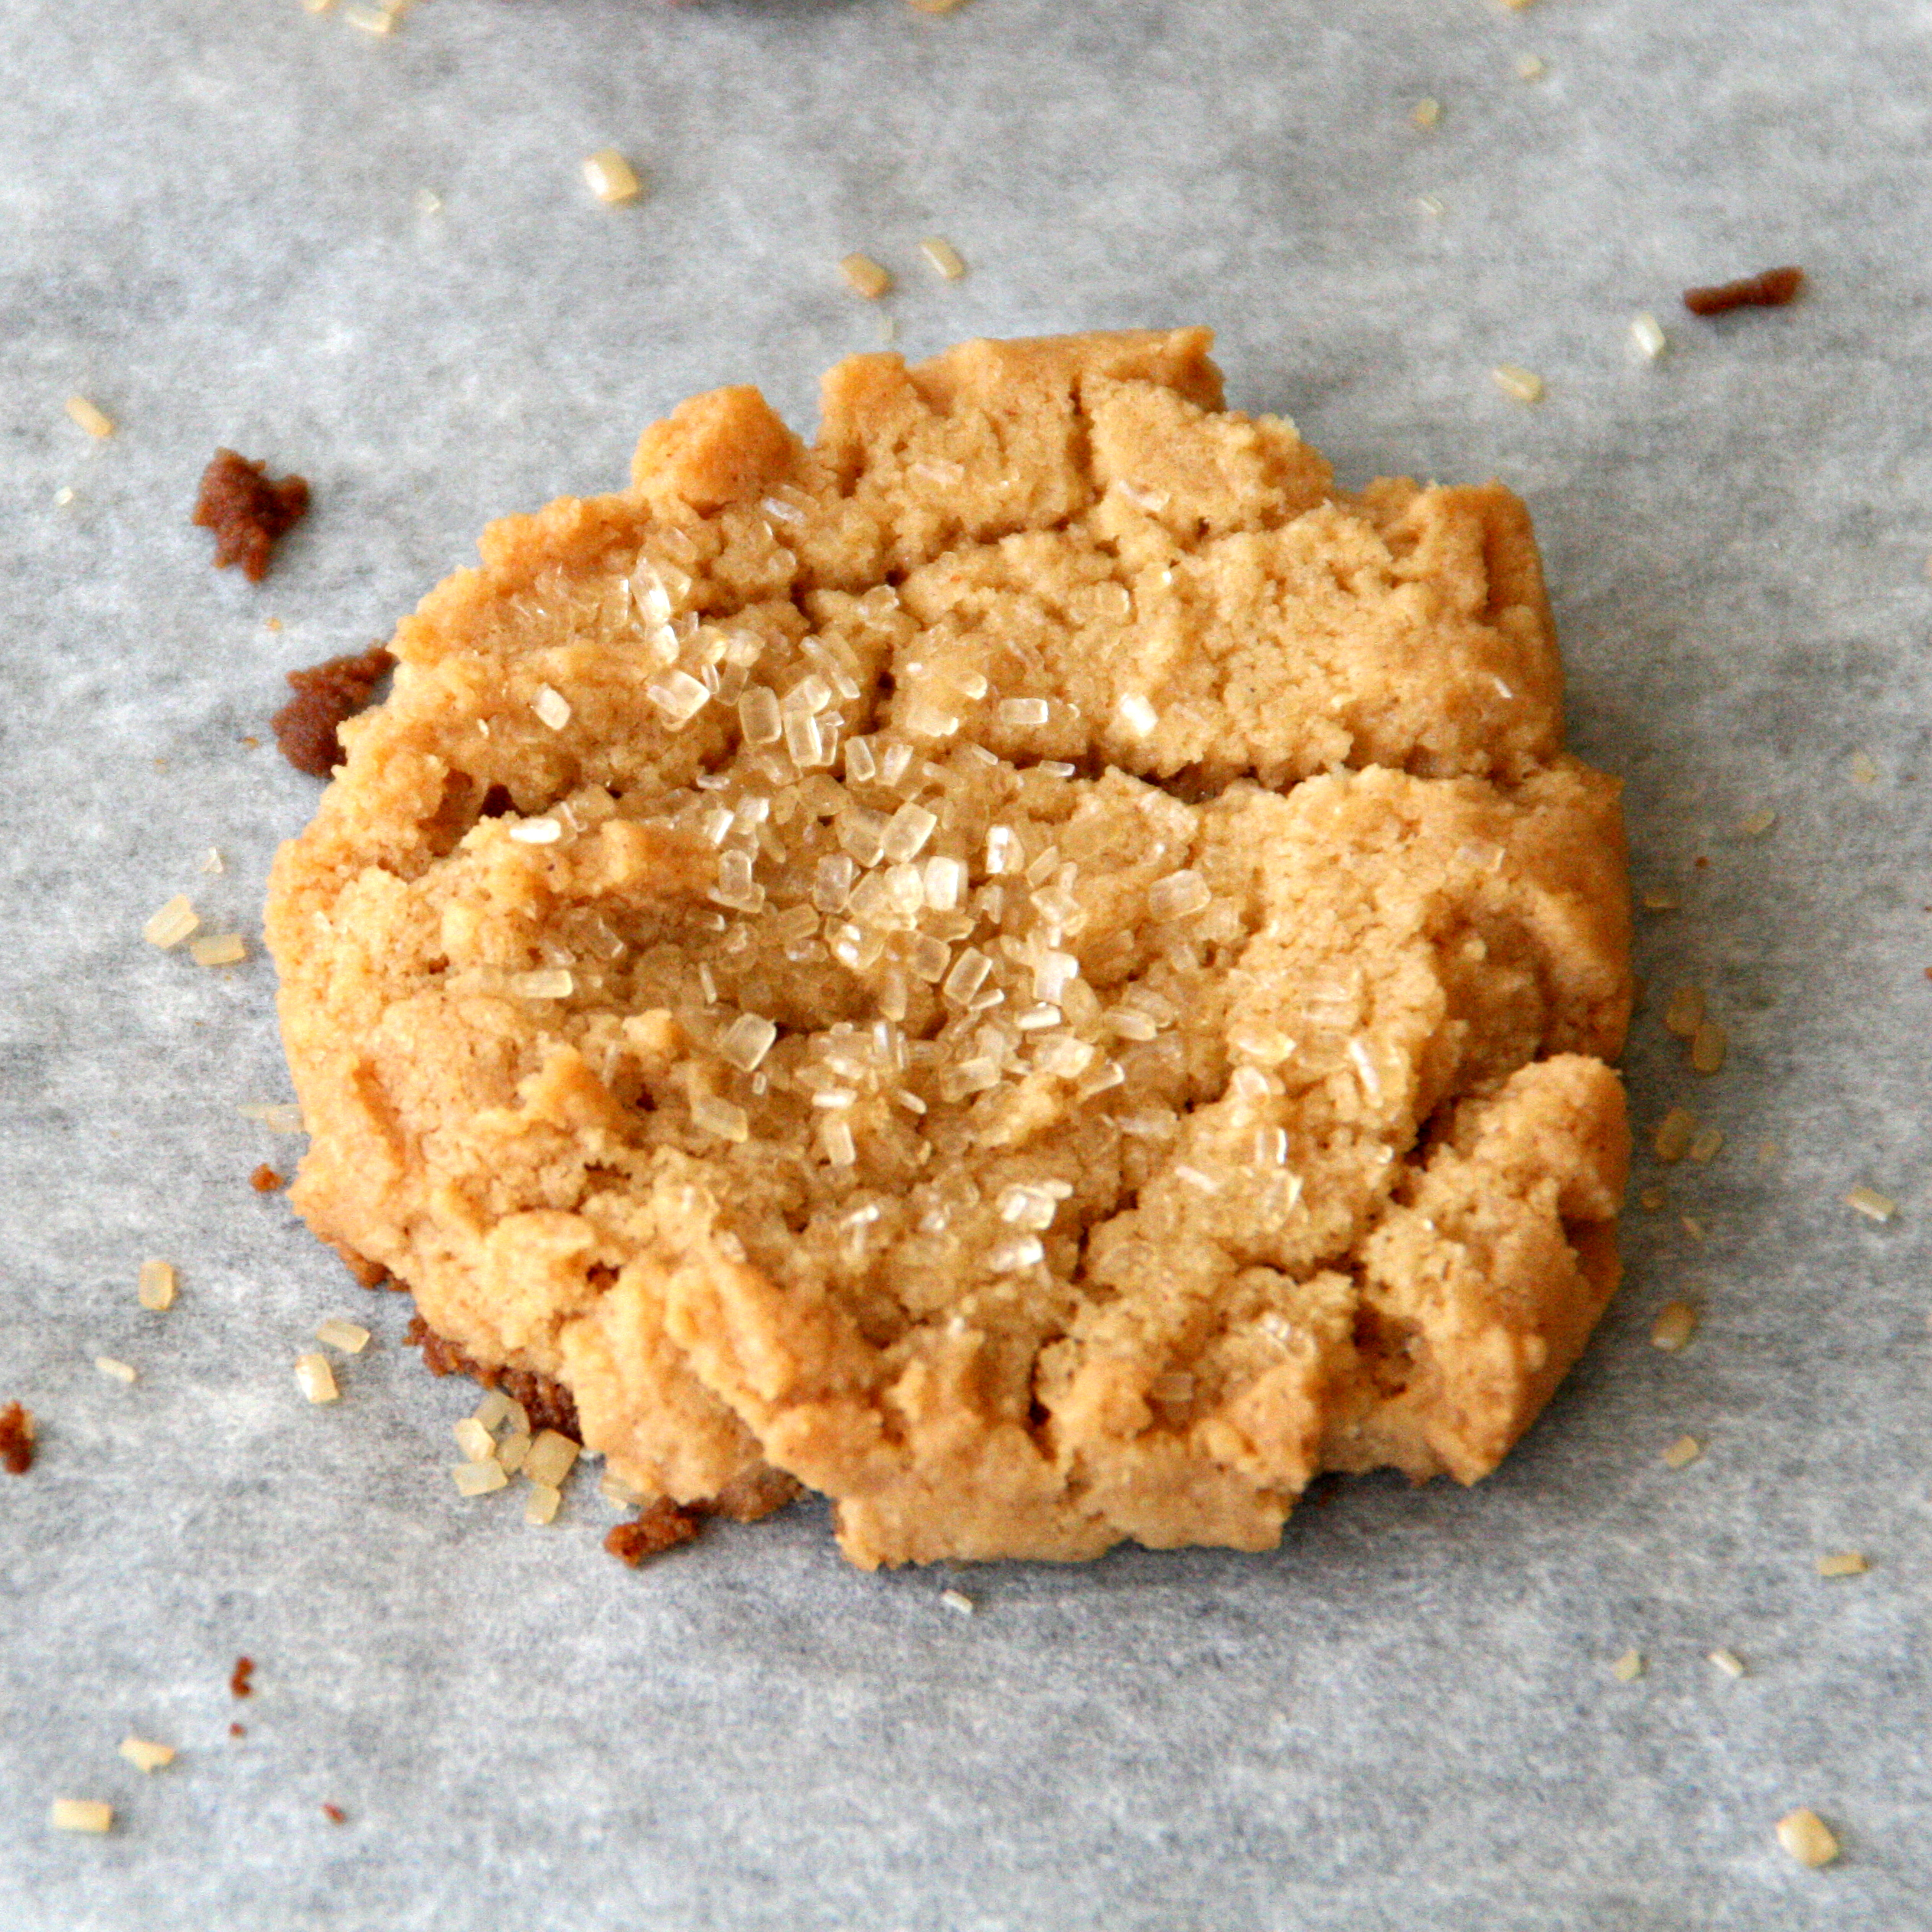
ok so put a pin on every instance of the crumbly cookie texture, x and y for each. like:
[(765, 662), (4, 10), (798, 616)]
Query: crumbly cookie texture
[(1031, 965)]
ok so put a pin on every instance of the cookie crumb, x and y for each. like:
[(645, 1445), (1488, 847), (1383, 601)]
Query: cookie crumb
[(1674, 1132), (659, 1526), (264, 1179), (1772, 289), (334, 1814), (239, 1679), (1684, 1013), (1807, 1837), (958, 1602), (172, 924), (1676, 1324), (16, 1439), (479, 1479), (865, 276), (1628, 1668), (316, 1378), (86, 415), (145, 1756), (1728, 1662), (307, 727), (155, 1287), (248, 513), (1646, 333), (1869, 1201), (1426, 112), (1709, 1045), (237, 1730), (81, 1814), (218, 949), (1651, 1198), (1524, 385), (610, 177), (1683, 1452), (115, 1369), (1843, 1563), (351, 1338), (943, 259)]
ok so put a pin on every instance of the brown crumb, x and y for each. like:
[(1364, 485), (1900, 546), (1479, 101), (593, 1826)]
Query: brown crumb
[(656, 1528), (306, 727), (246, 512), (16, 1439), (548, 1404), (235, 1730), (335, 1814), (264, 1179), (238, 1679), (1772, 290)]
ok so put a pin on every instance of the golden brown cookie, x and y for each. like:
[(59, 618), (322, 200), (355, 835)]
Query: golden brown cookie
[(1030, 964)]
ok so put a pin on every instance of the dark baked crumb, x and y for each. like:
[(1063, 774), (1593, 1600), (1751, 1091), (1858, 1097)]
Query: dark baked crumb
[(247, 512), (548, 1404), (237, 1730), (755, 1494), (1772, 290), (306, 727), (264, 1179), (656, 1528), (16, 1440), (368, 1273), (335, 1814), (238, 1679)]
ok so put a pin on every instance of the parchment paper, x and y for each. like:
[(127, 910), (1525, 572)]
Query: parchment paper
[(212, 226)]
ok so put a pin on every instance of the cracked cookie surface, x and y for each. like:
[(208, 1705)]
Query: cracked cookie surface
[(1030, 965)]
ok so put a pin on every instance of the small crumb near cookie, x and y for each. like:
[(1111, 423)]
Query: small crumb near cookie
[(1807, 1837), (1683, 1452), (1652, 1198), (145, 1755), (264, 1179), (307, 727), (154, 1287), (1676, 1324), (1674, 1133), (1684, 1013), (16, 1439), (1869, 1201), (479, 1479), (942, 258), (1728, 1662), (1709, 1045), (218, 949), (351, 1338), (240, 1679), (237, 1730), (866, 277), (172, 923), (81, 1814), (1772, 289), (610, 177), (334, 1814), (1843, 1563), (90, 416), (1628, 1668), (316, 1378), (1522, 385), (1706, 1145), (248, 512), (658, 1527), (117, 1370)]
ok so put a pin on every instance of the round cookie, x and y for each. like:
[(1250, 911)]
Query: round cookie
[(1030, 965)]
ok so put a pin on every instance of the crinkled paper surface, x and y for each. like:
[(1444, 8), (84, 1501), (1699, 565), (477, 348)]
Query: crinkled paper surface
[(218, 225)]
